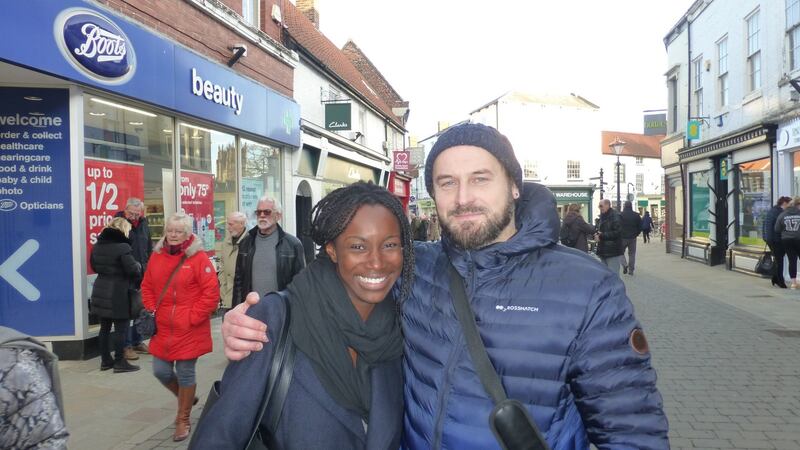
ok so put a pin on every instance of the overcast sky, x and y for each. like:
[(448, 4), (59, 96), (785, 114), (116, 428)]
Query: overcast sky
[(449, 57)]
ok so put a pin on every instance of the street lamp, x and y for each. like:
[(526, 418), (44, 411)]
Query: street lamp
[(617, 147)]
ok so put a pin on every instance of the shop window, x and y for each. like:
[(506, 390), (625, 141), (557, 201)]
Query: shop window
[(250, 12), (261, 176), (128, 151), (677, 206), (796, 174), (208, 182), (755, 181), (700, 205), (531, 170), (573, 170)]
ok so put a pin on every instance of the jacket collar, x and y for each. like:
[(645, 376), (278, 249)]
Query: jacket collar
[(254, 231), (386, 405), (537, 227), (196, 246)]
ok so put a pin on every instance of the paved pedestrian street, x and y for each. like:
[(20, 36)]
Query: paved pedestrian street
[(725, 345)]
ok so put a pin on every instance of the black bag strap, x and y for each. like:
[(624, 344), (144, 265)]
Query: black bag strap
[(169, 280), (518, 430), (280, 377), (486, 372)]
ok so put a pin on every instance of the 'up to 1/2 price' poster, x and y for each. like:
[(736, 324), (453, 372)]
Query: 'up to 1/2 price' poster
[(109, 185)]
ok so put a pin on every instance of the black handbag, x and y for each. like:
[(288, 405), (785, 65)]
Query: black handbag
[(278, 381), (766, 263), (512, 425), (145, 322)]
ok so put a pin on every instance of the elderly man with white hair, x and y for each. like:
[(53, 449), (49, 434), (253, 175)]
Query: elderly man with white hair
[(235, 226), (268, 256)]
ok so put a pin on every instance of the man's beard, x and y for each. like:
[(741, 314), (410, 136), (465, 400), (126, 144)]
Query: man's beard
[(472, 235)]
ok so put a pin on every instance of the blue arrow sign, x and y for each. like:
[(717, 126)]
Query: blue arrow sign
[(36, 264)]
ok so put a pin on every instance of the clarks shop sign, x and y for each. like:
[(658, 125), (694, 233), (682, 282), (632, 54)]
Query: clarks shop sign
[(337, 116), (95, 45)]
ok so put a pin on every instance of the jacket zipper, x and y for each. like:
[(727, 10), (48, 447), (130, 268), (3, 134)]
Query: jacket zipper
[(457, 347)]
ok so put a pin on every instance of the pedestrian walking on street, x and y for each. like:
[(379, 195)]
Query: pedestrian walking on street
[(434, 230), (577, 231), (787, 225), (631, 223), (181, 286), (269, 257), (118, 277), (773, 240), (346, 386), (585, 377), (142, 245), (236, 226), (609, 236), (647, 226)]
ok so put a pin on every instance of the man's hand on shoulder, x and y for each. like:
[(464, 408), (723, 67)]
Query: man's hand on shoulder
[(243, 334)]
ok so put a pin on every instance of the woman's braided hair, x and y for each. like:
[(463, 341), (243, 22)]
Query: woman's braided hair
[(333, 213)]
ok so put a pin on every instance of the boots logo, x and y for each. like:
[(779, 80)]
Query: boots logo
[(95, 46)]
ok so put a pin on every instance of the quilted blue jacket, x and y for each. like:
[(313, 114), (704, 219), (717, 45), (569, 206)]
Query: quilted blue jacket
[(558, 328)]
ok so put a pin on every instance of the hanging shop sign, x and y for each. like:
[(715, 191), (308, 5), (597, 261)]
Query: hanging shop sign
[(36, 270), (337, 116), (693, 130), (655, 124), (402, 160)]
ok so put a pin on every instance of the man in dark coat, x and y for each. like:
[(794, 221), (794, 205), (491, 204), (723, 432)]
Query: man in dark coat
[(586, 378), (268, 257), (773, 240), (142, 245), (631, 227), (609, 236)]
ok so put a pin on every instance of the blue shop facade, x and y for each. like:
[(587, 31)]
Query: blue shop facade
[(95, 109)]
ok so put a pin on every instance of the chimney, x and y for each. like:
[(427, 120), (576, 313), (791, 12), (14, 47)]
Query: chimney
[(307, 8)]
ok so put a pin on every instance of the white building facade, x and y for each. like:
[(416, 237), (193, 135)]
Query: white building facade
[(729, 73), (555, 139)]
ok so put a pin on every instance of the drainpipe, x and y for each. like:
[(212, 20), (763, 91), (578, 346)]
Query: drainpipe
[(685, 169)]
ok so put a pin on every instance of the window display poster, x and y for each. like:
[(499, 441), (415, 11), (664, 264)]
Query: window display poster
[(701, 202), (252, 190), (109, 185), (219, 220), (197, 200), (36, 270)]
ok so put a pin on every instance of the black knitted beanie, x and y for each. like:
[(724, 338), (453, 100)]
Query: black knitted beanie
[(477, 135)]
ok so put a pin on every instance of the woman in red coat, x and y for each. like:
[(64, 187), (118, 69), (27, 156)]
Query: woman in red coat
[(183, 326)]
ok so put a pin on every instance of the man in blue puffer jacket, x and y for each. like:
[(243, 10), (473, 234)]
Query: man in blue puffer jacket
[(557, 324)]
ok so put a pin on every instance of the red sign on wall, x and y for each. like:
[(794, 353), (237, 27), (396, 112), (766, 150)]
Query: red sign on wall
[(402, 160), (109, 185), (197, 200)]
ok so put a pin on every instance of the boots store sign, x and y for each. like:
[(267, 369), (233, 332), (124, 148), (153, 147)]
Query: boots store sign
[(95, 46), (81, 41)]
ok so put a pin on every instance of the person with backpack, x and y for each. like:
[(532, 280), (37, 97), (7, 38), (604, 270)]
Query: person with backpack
[(574, 229), (31, 405)]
